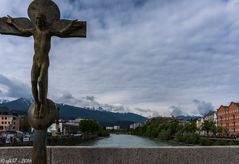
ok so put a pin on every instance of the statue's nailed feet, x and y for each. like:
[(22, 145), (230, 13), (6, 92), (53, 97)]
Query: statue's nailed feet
[(41, 116), (42, 110), (37, 110)]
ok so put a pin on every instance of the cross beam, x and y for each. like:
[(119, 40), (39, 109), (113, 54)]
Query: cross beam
[(78, 29), (52, 13)]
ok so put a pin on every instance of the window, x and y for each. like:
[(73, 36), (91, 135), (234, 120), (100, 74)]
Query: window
[(14, 118)]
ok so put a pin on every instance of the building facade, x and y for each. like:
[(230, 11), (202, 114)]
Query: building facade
[(9, 120), (199, 123), (211, 116), (135, 125), (63, 128), (228, 119)]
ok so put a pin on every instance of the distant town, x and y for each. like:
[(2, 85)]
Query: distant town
[(15, 130), (222, 124), (75, 125)]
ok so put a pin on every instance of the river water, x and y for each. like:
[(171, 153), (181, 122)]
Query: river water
[(122, 140)]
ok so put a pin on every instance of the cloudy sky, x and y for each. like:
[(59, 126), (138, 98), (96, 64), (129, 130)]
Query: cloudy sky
[(153, 57)]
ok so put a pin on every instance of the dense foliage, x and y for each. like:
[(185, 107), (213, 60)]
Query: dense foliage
[(89, 126), (92, 126), (180, 131), (163, 128)]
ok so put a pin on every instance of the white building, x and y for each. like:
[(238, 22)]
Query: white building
[(109, 128), (135, 125), (112, 127), (63, 128), (116, 127), (199, 123)]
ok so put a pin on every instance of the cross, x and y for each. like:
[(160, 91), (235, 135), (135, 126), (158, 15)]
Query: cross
[(44, 23)]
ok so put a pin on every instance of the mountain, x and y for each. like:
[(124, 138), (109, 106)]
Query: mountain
[(3, 101), (104, 117), (18, 105), (187, 118), (69, 112)]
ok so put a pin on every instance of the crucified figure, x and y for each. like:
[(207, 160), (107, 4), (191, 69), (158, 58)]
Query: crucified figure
[(42, 43), (44, 22)]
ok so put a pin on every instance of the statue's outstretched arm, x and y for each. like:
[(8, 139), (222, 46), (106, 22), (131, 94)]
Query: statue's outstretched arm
[(67, 29), (11, 21)]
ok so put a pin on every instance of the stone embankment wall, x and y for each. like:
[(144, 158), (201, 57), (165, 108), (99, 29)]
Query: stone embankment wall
[(165, 155)]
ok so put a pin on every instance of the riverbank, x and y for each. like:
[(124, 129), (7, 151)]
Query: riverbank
[(75, 140), (62, 140), (172, 130)]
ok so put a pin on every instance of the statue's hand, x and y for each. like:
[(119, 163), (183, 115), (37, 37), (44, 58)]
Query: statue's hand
[(8, 19), (73, 22)]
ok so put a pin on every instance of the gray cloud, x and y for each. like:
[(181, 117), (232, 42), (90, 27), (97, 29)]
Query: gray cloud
[(90, 98), (91, 102), (203, 107), (177, 111), (14, 88), (147, 54), (88, 101), (143, 110), (146, 112)]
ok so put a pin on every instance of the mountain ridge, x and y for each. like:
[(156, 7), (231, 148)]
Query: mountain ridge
[(69, 112)]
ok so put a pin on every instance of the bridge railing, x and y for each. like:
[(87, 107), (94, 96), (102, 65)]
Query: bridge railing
[(162, 155)]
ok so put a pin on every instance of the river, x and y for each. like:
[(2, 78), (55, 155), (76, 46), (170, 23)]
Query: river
[(122, 140)]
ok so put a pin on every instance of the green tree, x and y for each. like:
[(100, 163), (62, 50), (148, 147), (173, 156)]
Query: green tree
[(213, 128), (219, 129), (226, 131), (165, 134), (190, 127), (209, 126), (174, 127), (191, 138), (89, 126), (206, 127)]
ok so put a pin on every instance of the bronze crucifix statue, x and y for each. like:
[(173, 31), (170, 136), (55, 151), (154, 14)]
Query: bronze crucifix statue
[(42, 43), (44, 23)]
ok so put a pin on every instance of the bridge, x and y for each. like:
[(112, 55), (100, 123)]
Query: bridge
[(89, 155)]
